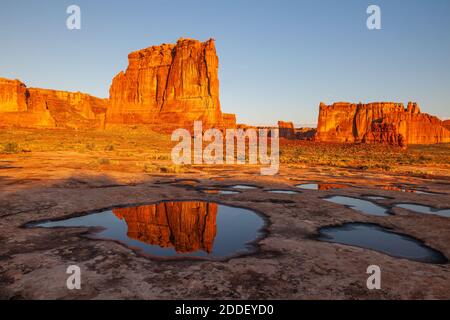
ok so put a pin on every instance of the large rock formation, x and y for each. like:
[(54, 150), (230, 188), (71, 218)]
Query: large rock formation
[(168, 86), (286, 130), (184, 226), (380, 122), (41, 108), (447, 124)]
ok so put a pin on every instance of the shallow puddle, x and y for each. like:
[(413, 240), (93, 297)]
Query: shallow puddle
[(321, 186), (424, 209), (175, 229), (283, 191), (219, 191), (377, 238), (360, 205), (376, 198), (243, 186)]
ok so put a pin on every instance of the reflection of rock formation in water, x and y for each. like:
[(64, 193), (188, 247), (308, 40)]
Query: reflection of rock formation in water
[(185, 226), (329, 186)]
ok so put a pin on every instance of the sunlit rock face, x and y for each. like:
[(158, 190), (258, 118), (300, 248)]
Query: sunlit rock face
[(286, 130), (169, 86), (447, 124), (229, 120), (42, 108), (184, 226), (165, 87), (380, 122)]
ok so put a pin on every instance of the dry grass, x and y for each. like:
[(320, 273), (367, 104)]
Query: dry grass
[(142, 150), (364, 157)]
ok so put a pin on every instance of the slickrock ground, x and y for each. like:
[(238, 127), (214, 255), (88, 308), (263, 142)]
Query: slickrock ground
[(59, 174)]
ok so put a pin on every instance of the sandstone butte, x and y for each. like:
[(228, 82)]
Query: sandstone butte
[(167, 87), (379, 122), (186, 227), (286, 130)]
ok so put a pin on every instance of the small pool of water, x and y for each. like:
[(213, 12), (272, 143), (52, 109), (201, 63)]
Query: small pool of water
[(424, 209), (243, 186), (382, 240), (360, 205), (219, 191), (175, 229), (376, 197), (321, 186), (283, 191)]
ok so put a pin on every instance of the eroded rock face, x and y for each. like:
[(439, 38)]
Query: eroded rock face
[(168, 86), (229, 120), (380, 122), (286, 130), (42, 108), (447, 124), (186, 227)]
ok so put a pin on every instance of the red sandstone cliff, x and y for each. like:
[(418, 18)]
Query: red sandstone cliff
[(380, 122), (447, 124), (286, 130), (42, 108), (184, 226), (170, 85)]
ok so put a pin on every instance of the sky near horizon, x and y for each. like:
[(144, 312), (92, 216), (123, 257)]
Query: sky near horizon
[(278, 59)]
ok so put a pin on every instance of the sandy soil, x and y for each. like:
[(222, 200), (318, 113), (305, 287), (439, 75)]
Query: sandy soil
[(288, 262)]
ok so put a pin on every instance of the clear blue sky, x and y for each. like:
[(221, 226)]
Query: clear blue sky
[(278, 58)]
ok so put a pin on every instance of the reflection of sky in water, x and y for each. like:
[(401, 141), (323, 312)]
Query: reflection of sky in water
[(364, 206), (379, 239), (283, 191), (424, 209), (309, 186), (236, 227)]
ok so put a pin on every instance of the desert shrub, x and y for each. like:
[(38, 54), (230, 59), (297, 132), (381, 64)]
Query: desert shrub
[(11, 147), (103, 161), (90, 146), (109, 147)]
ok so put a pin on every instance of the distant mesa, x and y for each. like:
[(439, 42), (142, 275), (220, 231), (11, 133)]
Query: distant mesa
[(286, 130), (166, 87), (379, 122), (41, 108)]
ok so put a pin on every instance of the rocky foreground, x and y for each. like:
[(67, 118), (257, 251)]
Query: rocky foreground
[(287, 262)]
